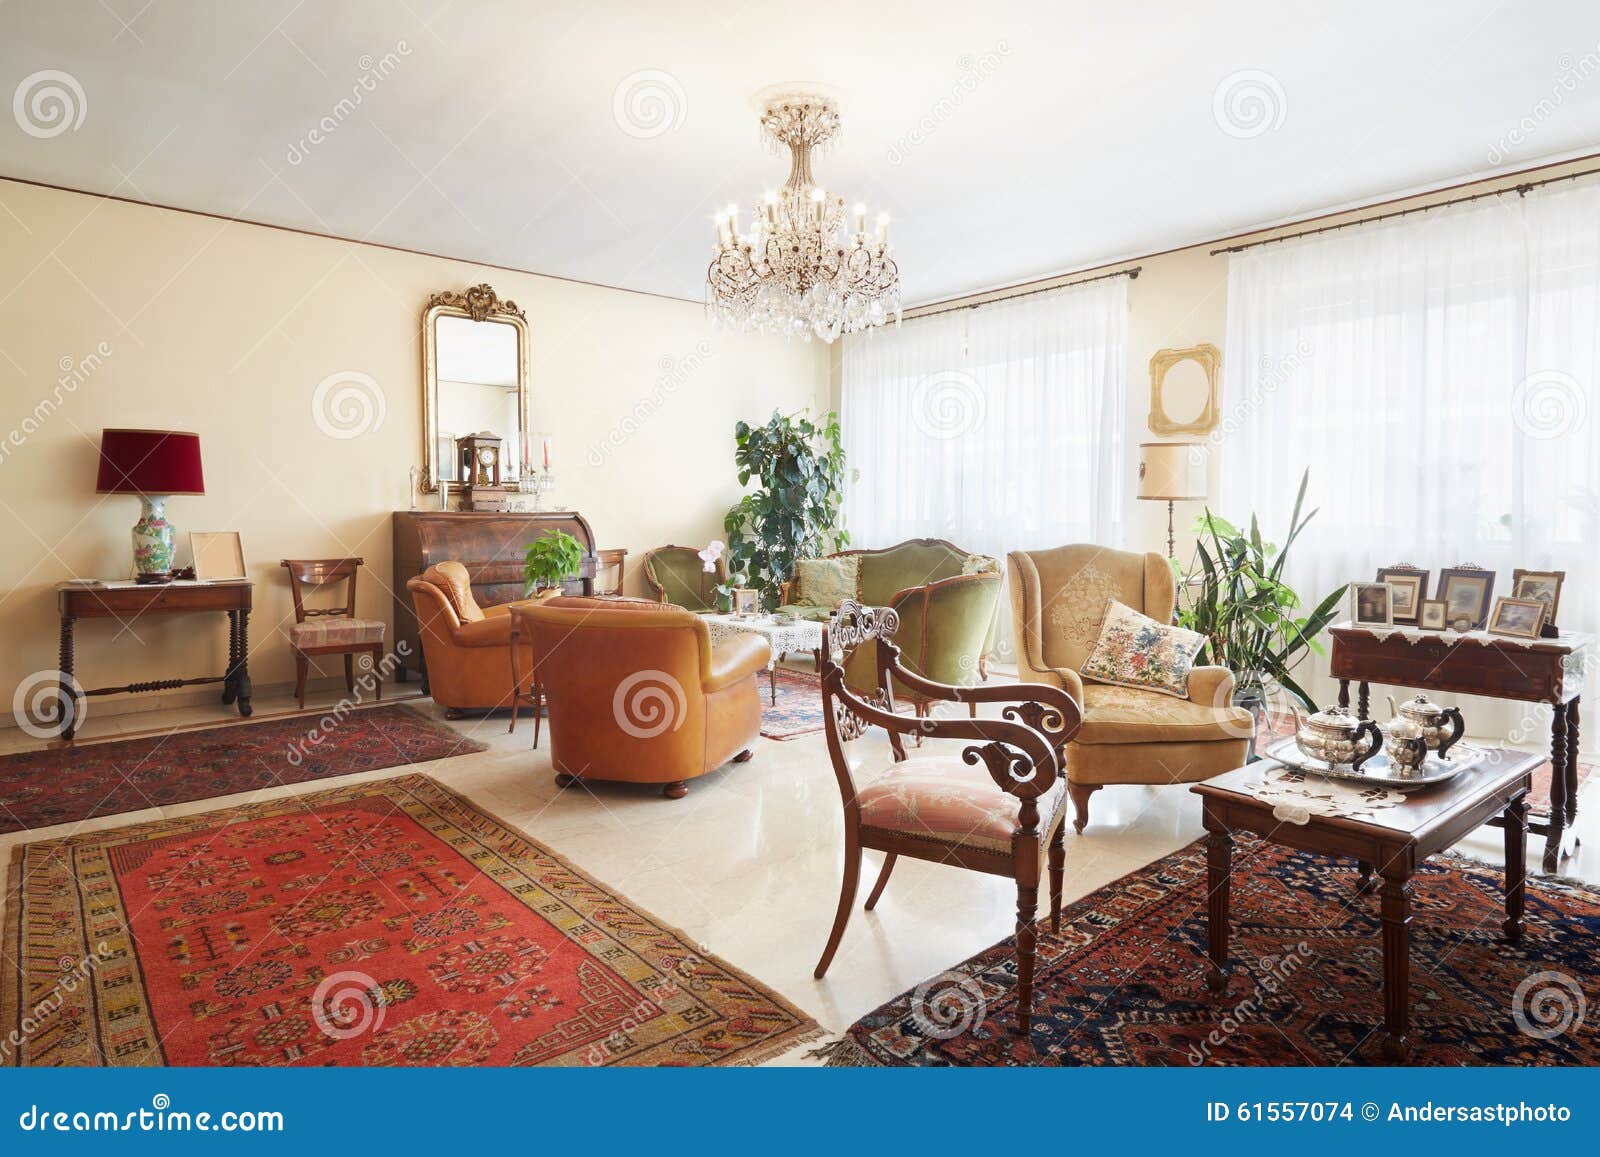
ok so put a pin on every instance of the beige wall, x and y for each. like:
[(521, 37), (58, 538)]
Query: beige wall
[(174, 320)]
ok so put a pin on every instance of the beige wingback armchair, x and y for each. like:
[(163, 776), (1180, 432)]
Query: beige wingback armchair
[(1058, 598)]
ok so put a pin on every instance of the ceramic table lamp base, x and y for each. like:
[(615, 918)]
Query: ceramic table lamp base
[(153, 541)]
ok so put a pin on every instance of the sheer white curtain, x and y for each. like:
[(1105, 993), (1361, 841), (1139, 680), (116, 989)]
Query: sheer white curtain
[(998, 428), (1437, 375)]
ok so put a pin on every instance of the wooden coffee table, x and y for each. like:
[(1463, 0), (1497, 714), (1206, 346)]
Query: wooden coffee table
[(1392, 841)]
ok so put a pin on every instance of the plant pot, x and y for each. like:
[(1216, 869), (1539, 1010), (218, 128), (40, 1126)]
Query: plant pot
[(1253, 701)]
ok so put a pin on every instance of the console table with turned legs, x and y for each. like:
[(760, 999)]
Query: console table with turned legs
[(1548, 671), (128, 605)]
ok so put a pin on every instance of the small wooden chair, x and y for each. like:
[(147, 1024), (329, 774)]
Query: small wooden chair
[(995, 807), (330, 630), (533, 696)]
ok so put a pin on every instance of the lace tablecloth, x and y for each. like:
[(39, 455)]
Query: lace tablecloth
[(1573, 641), (797, 635), (1296, 796)]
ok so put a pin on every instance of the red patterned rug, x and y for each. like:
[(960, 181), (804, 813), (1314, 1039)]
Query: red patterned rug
[(65, 784), (389, 923), (1124, 982), (799, 708)]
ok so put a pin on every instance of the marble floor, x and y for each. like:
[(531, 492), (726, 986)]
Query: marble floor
[(748, 864)]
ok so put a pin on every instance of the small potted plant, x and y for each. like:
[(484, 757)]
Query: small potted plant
[(550, 561)]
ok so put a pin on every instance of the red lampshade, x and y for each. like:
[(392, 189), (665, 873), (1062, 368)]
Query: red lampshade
[(149, 462)]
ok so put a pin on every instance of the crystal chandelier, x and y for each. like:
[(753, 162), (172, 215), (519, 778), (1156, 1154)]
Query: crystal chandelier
[(797, 270)]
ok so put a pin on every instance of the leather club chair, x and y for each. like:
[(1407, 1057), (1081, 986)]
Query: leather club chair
[(637, 693), (1129, 735), (467, 648)]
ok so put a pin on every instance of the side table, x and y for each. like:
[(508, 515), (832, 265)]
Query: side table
[(795, 635), (127, 604)]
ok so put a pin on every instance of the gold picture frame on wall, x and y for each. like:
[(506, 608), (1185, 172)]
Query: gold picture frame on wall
[(1183, 390)]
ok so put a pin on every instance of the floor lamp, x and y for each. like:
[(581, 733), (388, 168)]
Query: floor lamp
[(1172, 472)]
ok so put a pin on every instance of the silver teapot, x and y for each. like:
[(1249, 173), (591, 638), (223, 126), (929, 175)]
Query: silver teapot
[(1442, 727), (1406, 744), (1334, 736)]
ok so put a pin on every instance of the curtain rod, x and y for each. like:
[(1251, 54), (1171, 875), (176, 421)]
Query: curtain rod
[(1131, 273), (1520, 190)]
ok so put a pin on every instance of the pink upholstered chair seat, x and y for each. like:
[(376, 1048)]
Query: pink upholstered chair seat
[(335, 631), (943, 799)]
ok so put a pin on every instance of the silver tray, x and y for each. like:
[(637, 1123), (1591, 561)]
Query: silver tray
[(1378, 769)]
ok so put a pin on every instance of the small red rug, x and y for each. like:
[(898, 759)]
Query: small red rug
[(1125, 981), (65, 784), (389, 923), (799, 708)]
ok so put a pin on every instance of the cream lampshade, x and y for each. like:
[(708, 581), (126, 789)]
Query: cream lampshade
[(1172, 472)]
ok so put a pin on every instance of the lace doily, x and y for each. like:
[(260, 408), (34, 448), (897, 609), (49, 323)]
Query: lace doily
[(1296, 797)]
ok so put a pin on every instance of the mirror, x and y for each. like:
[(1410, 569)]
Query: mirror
[(474, 381), (1183, 390)]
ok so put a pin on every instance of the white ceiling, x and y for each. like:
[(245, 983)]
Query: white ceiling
[(1008, 140)]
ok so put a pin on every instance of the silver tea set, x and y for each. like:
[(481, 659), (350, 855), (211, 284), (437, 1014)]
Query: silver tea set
[(1415, 743)]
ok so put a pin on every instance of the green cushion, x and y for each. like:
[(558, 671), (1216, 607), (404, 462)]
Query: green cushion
[(826, 582)]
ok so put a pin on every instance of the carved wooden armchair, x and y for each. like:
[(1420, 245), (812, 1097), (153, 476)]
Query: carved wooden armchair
[(996, 807)]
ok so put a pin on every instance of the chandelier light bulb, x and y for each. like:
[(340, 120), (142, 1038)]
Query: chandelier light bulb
[(861, 217)]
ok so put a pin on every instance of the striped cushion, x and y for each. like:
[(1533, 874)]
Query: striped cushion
[(336, 632)]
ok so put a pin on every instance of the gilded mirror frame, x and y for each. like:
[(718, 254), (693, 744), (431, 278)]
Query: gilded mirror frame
[(1209, 358), (477, 303)]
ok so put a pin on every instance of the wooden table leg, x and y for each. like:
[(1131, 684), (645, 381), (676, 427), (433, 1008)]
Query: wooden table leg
[(242, 681), (1516, 827), (1344, 693), (67, 697), (1363, 694), (1558, 791), (1219, 865), (230, 684), (1364, 885), (1572, 763), (772, 680), (1396, 917)]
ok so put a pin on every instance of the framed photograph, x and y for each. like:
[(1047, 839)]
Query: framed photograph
[(1544, 585), (218, 555), (1431, 616), (1372, 604), (1466, 592), (746, 601), (1520, 618), (1410, 589)]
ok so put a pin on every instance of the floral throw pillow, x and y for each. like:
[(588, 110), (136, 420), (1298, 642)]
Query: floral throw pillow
[(1136, 651), (980, 564), (827, 582)]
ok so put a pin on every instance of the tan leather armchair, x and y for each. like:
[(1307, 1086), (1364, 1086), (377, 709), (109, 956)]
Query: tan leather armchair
[(637, 693), (467, 648), (1129, 735)]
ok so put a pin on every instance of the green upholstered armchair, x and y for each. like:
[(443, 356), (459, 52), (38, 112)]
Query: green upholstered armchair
[(942, 633), (676, 575)]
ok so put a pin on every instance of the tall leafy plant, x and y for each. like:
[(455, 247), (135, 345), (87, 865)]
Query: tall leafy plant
[(794, 512), (1240, 603)]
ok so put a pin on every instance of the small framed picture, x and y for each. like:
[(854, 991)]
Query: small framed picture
[(1544, 585), (1467, 592), (746, 601), (1519, 618), (218, 555), (1372, 604), (1431, 616), (1410, 589)]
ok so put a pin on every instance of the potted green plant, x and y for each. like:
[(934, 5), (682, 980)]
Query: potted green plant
[(794, 513), (551, 560), (1237, 599)]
